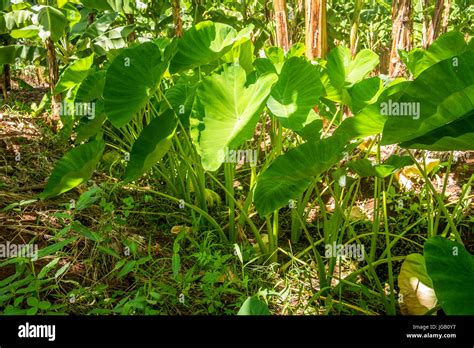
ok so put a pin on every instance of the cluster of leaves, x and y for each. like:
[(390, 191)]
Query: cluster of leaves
[(209, 91)]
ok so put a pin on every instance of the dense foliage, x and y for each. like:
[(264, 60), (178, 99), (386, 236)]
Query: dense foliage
[(257, 157)]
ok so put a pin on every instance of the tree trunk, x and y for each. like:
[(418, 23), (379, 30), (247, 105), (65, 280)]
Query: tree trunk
[(316, 29), (445, 22), (281, 24), (426, 24), (296, 19), (177, 20), (355, 26), (435, 25), (401, 35), (438, 24), (53, 70)]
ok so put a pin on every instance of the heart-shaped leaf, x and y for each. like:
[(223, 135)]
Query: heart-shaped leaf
[(228, 112), (253, 306), (74, 168), (435, 118), (74, 74), (204, 43), (296, 93), (131, 81)]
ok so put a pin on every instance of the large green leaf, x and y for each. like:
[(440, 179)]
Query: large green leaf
[(253, 306), (296, 93), (243, 53), (52, 21), (229, 112), (448, 45), (181, 98), (28, 32), (369, 121), (203, 44), (92, 87), (364, 93), (87, 128), (441, 118), (74, 74), (343, 71), (132, 79), (451, 268), (74, 168), (4, 4), (290, 174), (152, 144)]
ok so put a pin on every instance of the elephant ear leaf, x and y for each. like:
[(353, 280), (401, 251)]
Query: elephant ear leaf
[(290, 174), (254, 306), (296, 93), (204, 43), (451, 268), (448, 45), (228, 112), (131, 81), (344, 72), (152, 144), (74, 74), (74, 168), (439, 119)]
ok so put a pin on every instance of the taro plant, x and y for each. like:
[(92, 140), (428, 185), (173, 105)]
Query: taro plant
[(177, 108)]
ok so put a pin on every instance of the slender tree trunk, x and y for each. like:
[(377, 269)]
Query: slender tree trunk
[(438, 24), (355, 26), (53, 78), (281, 24), (435, 25), (445, 22), (177, 20), (426, 24), (316, 29), (296, 19), (401, 35)]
